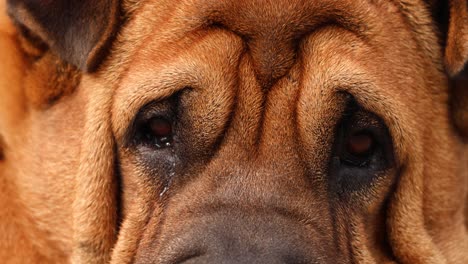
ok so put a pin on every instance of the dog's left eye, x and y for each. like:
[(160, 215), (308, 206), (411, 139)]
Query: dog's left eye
[(358, 148), (362, 150)]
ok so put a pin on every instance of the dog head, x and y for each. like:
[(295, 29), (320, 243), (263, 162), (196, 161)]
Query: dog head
[(239, 131)]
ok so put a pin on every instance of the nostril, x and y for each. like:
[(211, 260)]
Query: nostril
[(233, 238), (198, 256)]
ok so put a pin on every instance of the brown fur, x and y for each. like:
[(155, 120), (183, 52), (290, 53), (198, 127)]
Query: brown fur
[(261, 85)]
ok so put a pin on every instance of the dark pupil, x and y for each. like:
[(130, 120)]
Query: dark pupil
[(161, 131), (160, 127), (360, 144)]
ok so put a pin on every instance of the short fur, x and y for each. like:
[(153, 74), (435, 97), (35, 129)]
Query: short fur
[(261, 85)]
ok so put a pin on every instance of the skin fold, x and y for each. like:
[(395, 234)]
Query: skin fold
[(257, 99)]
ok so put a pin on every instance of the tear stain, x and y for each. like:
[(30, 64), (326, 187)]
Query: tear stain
[(166, 188), (168, 182)]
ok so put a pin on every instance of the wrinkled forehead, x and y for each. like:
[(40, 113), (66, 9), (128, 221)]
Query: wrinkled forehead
[(267, 27), (255, 18), (271, 30), (170, 45)]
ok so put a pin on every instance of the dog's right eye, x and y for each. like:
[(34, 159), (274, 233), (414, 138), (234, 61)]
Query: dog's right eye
[(154, 126)]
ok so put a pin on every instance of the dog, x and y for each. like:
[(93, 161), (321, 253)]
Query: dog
[(249, 131)]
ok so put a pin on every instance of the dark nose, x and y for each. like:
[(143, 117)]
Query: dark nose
[(237, 238)]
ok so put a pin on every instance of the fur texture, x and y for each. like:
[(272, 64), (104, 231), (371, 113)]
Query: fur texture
[(260, 89)]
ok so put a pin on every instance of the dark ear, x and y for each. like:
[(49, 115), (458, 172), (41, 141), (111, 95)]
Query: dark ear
[(456, 57), (78, 31), (456, 51), (459, 102), (452, 19)]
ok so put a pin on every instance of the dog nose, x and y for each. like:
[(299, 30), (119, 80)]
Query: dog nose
[(239, 239), (248, 259)]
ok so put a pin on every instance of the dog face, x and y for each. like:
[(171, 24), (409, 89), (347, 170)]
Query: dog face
[(238, 131)]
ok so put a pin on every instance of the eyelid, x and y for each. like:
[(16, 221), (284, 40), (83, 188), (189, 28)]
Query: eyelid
[(134, 105), (361, 118), (165, 108), (155, 109), (160, 105)]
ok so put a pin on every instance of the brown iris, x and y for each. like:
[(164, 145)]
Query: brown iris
[(160, 130), (360, 144), (160, 127)]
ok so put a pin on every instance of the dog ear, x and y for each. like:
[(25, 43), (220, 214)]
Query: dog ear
[(459, 102), (77, 31), (456, 51), (456, 57), (451, 17)]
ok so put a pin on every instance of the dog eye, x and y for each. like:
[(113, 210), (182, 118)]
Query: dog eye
[(358, 148), (362, 149), (154, 125), (158, 130)]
